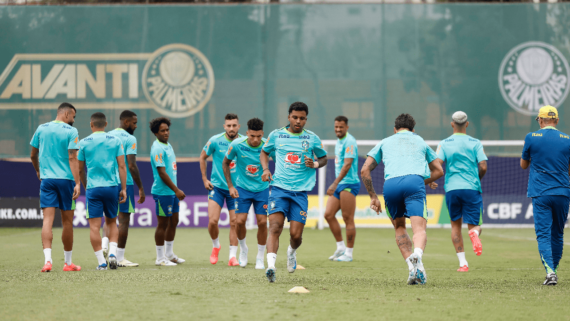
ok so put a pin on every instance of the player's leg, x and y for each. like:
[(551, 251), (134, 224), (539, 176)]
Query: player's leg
[(416, 210), (276, 221), (67, 207), (109, 197), (454, 207), (105, 239), (473, 217), (164, 214), (231, 205), (260, 210), (95, 237), (48, 202), (559, 217), (214, 210), (170, 233), (297, 216), (348, 206), (241, 209), (333, 205), (125, 211), (542, 213)]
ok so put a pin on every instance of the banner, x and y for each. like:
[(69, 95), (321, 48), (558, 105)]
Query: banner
[(23, 212)]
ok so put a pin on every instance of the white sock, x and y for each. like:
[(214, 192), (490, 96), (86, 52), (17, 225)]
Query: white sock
[(271, 258), (100, 257), (348, 251), (216, 243), (169, 248), (120, 254), (113, 248), (159, 252), (233, 251), (462, 260), (476, 232), (67, 255), (410, 265), (290, 250), (340, 245), (105, 243), (243, 245), (260, 251), (47, 255), (419, 252)]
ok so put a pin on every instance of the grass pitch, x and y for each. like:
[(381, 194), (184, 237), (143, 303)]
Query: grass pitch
[(503, 284)]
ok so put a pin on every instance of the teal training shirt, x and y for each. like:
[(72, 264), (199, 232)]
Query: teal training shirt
[(162, 155), (217, 147), (130, 148), (54, 139), (462, 155), (404, 153), (290, 171), (346, 148), (248, 167), (99, 151)]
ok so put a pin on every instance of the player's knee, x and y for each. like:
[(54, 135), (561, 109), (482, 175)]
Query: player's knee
[(262, 223), (329, 215), (241, 219), (297, 239)]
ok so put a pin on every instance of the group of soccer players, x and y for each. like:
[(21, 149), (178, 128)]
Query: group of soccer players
[(241, 179)]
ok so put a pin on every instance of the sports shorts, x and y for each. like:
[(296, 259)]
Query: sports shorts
[(292, 204)]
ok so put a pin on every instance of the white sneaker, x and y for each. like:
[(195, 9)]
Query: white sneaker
[(127, 263), (259, 264), (270, 274), (175, 259), (343, 258), (243, 258), (291, 262), (105, 252), (337, 253), (112, 262), (164, 262), (419, 270)]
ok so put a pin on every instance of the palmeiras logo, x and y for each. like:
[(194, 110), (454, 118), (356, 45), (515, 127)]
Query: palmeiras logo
[(534, 74)]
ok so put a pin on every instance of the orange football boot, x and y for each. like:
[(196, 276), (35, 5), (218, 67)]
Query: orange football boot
[(72, 267), (477, 246), (464, 268), (47, 267), (233, 262), (214, 255)]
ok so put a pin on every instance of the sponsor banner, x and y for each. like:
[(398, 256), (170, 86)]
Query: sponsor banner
[(23, 212), (507, 209)]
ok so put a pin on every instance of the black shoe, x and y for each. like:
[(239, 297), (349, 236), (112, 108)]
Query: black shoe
[(551, 279)]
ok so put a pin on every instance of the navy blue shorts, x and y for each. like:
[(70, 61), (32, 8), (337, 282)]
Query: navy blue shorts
[(102, 200), (351, 188), (247, 198), (166, 205), (466, 204), (405, 197), (57, 193), (129, 205), (292, 204), (219, 195)]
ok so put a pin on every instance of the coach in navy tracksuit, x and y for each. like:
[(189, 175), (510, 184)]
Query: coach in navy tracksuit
[(547, 151)]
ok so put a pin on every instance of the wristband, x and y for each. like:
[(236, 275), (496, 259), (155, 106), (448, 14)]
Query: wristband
[(265, 169)]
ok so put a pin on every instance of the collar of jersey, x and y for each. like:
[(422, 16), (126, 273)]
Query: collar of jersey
[(344, 136), (291, 133), (120, 129), (161, 142), (549, 127), (403, 131), (460, 134), (260, 145), (99, 132), (57, 122)]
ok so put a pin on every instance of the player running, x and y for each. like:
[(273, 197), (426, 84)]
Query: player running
[(249, 189), (547, 152), (165, 192), (125, 133), (54, 156), (103, 154), (295, 169), (406, 159), (217, 147), (466, 164), (343, 190)]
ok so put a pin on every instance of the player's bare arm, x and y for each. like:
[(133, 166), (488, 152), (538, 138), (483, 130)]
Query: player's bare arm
[(82, 174), (228, 175), (482, 169), (35, 157), (203, 167), (74, 166), (343, 171), (367, 168), (436, 172), (434, 185), (123, 178), (264, 160), (310, 163), (134, 169), (168, 182), (525, 164)]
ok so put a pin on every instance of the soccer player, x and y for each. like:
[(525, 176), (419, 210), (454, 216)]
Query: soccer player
[(409, 164), (165, 192), (103, 154), (125, 133), (54, 156), (295, 170), (343, 190), (547, 152), (466, 164), (249, 189), (217, 147)]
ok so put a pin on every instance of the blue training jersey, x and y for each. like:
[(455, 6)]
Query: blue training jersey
[(130, 148), (99, 151), (162, 155), (290, 171), (346, 148), (217, 147), (548, 151), (404, 153), (248, 167), (462, 155), (54, 139)]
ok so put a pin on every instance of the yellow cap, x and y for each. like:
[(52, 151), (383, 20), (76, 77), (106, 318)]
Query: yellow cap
[(547, 112)]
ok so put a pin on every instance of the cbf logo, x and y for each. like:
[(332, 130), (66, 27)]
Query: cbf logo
[(305, 145), (176, 80), (534, 74)]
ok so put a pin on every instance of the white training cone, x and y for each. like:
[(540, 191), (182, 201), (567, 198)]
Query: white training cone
[(298, 289)]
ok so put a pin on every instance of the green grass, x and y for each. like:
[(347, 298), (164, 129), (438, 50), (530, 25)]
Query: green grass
[(503, 284)]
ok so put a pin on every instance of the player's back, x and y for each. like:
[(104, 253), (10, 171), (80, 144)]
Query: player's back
[(462, 155), (129, 143), (99, 151), (53, 140)]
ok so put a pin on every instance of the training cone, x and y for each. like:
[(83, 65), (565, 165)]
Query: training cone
[(298, 289), (300, 267)]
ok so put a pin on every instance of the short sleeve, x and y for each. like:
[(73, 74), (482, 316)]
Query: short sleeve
[(131, 146), (35, 142), (430, 154), (210, 146), (232, 151), (318, 148), (480, 153), (440, 153), (120, 149), (73, 139), (376, 153), (156, 154), (269, 146), (81, 153), (349, 149), (526, 147)]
